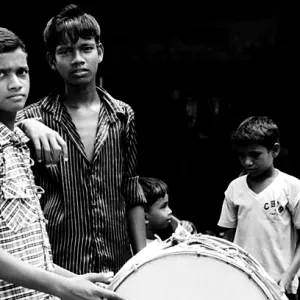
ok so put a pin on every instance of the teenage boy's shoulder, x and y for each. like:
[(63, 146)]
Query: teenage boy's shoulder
[(118, 106)]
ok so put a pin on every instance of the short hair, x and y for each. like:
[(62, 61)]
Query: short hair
[(70, 24), (9, 41), (153, 189), (259, 130)]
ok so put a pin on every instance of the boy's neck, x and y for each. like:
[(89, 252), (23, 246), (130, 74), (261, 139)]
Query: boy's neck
[(8, 119), (79, 96), (149, 233), (270, 173)]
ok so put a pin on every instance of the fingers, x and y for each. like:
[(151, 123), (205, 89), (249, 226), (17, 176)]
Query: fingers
[(281, 286), (100, 277), (110, 295), (46, 151), (101, 284), (38, 149), (49, 148), (63, 146), (58, 148), (187, 226)]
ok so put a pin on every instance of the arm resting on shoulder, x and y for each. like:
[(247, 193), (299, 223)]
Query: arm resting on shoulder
[(137, 228)]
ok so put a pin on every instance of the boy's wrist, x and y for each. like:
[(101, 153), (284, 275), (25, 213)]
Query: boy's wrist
[(60, 286), (22, 124)]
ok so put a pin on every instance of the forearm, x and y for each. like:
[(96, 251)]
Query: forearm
[(23, 274), (229, 234), (295, 264), (137, 228), (63, 272)]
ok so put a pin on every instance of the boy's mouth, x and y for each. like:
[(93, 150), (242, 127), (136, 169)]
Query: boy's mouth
[(16, 96)]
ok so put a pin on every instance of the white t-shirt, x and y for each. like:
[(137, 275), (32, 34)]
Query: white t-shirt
[(266, 222)]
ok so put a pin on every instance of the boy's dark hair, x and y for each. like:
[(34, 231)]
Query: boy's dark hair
[(10, 42), (153, 189), (70, 24), (259, 130)]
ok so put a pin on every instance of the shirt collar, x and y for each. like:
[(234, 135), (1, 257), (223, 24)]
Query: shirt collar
[(113, 107), (16, 137)]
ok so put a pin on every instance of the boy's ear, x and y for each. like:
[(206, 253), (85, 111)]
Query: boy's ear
[(51, 61), (275, 150), (100, 49)]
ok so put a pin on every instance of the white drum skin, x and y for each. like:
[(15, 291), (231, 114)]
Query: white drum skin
[(199, 268)]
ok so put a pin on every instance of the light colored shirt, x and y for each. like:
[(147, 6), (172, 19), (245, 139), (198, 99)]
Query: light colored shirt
[(22, 224), (266, 222)]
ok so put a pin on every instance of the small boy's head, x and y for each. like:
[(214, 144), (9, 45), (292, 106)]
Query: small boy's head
[(14, 72), (257, 142), (72, 40), (157, 211)]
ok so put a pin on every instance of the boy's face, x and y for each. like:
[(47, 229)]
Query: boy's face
[(77, 63), (14, 81), (256, 159), (159, 214)]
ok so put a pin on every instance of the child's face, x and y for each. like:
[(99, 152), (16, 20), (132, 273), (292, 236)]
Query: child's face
[(77, 63), (256, 159), (159, 214), (14, 81)]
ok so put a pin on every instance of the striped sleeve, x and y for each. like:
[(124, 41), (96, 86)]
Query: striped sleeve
[(131, 189)]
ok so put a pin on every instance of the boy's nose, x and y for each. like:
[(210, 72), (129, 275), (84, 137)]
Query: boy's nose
[(248, 161), (77, 57), (14, 83)]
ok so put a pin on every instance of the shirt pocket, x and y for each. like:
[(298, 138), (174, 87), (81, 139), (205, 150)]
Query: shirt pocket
[(18, 207)]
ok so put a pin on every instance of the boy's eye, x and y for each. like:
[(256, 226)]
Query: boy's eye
[(88, 48), (2, 74), (255, 155), (23, 72), (64, 51)]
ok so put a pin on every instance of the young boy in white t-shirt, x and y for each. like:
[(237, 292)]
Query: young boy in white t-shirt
[(261, 211)]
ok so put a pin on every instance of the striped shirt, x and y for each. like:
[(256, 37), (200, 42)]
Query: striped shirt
[(22, 224), (85, 202)]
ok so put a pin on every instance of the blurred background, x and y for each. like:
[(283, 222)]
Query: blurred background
[(192, 73)]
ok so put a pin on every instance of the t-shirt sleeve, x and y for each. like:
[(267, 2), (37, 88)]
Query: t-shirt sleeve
[(228, 217), (294, 207), (292, 191)]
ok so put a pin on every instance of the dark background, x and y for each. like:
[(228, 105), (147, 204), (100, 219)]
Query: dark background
[(160, 58)]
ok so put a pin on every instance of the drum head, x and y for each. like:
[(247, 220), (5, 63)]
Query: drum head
[(183, 275)]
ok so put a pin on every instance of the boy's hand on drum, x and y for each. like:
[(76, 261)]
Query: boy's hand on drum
[(187, 226), (102, 277), (85, 287), (285, 280)]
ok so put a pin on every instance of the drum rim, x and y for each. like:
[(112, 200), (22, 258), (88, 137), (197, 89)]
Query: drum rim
[(178, 250)]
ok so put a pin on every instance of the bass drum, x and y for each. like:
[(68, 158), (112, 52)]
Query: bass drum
[(197, 267)]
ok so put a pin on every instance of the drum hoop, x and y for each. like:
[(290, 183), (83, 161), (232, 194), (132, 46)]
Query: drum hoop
[(204, 253)]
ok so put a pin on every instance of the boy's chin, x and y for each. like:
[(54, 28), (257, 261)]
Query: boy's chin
[(164, 226), (15, 109)]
